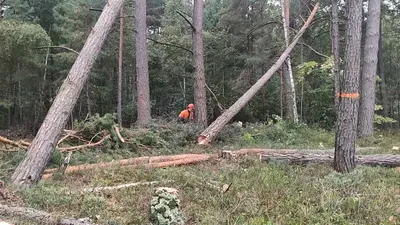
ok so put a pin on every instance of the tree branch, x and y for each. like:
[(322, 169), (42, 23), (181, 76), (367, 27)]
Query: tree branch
[(312, 49), (171, 44), (75, 148), (187, 20), (260, 26), (62, 47), (2, 2), (215, 98), (96, 9)]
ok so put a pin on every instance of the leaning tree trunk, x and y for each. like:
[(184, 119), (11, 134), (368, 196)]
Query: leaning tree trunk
[(212, 131), (200, 99), (348, 103), (30, 170), (142, 67), (290, 93), (335, 51), (120, 61), (369, 69)]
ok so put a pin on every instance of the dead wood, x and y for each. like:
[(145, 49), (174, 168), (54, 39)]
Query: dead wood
[(119, 135), (13, 143), (306, 158), (75, 148), (99, 189), (187, 159), (38, 216), (155, 162)]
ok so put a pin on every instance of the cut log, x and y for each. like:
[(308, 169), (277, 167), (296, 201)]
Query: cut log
[(30, 170), (212, 131), (153, 162), (184, 159), (306, 158), (38, 216)]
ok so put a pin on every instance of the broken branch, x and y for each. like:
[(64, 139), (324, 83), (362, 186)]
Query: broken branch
[(12, 143), (119, 135), (98, 189), (62, 47), (75, 148)]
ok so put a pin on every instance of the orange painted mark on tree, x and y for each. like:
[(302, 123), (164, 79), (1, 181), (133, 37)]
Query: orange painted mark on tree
[(348, 95)]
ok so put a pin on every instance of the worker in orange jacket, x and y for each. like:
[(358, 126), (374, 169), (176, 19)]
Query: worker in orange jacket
[(187, 114)]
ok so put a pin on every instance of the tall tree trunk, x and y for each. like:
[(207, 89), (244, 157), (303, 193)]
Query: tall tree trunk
[(335, 51), (1, 9), (212, 131), (142, 67), (381, 73), (30, 170), (348, 103), (200, 99), (290, 93), (369, 70), (120, 60)]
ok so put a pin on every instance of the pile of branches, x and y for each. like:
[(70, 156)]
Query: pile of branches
[(91, 132)]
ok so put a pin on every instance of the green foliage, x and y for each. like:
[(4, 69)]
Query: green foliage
[(382, 119), (286, 134), (96, 123), (165, 209)]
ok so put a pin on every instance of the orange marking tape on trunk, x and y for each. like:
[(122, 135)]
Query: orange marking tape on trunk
[(348, 95)]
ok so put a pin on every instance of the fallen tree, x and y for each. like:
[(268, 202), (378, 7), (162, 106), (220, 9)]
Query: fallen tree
[(212, 131), (184, 159), (150, 162), (30, 170), (308, 158), (39, 216)]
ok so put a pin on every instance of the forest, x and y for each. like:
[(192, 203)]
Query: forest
[(292, 107)]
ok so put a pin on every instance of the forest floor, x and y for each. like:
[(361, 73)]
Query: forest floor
[(260, 193)]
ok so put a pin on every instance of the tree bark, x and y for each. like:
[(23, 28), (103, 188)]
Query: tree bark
[(142, 67), (31, 168), (369, 70), (290, 92), (346, 132), (305, 158), (200, 98), (335, 51), (1, 10), (212, 131), (120, 61)]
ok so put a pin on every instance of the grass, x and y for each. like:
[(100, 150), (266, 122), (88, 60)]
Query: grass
[(260, 193)]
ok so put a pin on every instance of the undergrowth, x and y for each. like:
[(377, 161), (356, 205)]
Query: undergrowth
[(278, 193), (260, 193)]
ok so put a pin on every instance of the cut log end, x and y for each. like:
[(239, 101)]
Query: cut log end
[(203, 140)]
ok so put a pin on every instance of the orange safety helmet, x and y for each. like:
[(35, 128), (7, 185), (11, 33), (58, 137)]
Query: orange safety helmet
[(191, 106)]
